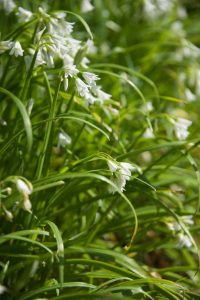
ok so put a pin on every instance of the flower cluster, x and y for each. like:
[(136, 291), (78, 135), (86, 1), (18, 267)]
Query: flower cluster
[(121, 174), (54, 42), (154, 9)]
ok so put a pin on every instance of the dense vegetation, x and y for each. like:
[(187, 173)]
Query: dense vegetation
[(99, 149)]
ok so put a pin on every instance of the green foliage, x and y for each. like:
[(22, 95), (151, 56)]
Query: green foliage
[(100, 181)]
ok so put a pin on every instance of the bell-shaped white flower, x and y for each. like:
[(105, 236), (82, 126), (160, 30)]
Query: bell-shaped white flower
[(148, 133), (23, 187), (16, 49), (184, 241), (23, 15), (5, 45), (64, 139), (3, 289), (26, 204), (122, 173), (181, 128), (101, 95), (90, 78), (7, 5), (82, 88), (113, 166), (86, 6)]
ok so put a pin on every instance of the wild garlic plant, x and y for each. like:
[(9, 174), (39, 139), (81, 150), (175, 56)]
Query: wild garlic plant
[(99, 150)]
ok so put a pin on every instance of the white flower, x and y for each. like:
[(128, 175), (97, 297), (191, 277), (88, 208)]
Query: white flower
[(148, 107), (125, 170), (90, 78), (5, 45), (27, 204), (113, 166), (148, 133), (181, 12), (66, 82), (23, 187), (122, 173), (16, 49), (84, 62), (189, 95), (114, 111), (86, 6), (188, 219), (48, 58), (60, 27), (2, 289), (82, 88), (184, 240), (101, 95), (174, 226), (9, 216), (24, 15), (153, 9), (60, 15), (64, 139), (181, 128), (39, 59), (91, 48), (69, 68), (8, 5), (89, 99)]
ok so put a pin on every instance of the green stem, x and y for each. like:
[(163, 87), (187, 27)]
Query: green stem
[(70, 102), (5, 71), (24, 91), (45, 157)]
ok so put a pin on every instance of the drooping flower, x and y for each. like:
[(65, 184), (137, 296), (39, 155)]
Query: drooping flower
[(26, 204), (82, 88), (86, 6), (183, 240), (23, 187), (148, 107), (69, 68), (63, 139), (3, 289), (121, 174), (90, 78), (113, 166), (101, 95), (181, 128), (7, 5), (148, 133), (23, 15), (153, 9), (189, 95), (5, 45), (16, 49)]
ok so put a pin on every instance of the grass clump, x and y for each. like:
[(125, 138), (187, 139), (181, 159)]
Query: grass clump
[(99, 150)]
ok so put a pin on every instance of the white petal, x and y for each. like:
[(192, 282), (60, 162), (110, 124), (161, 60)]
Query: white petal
[(23, 187), (112, 165)]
